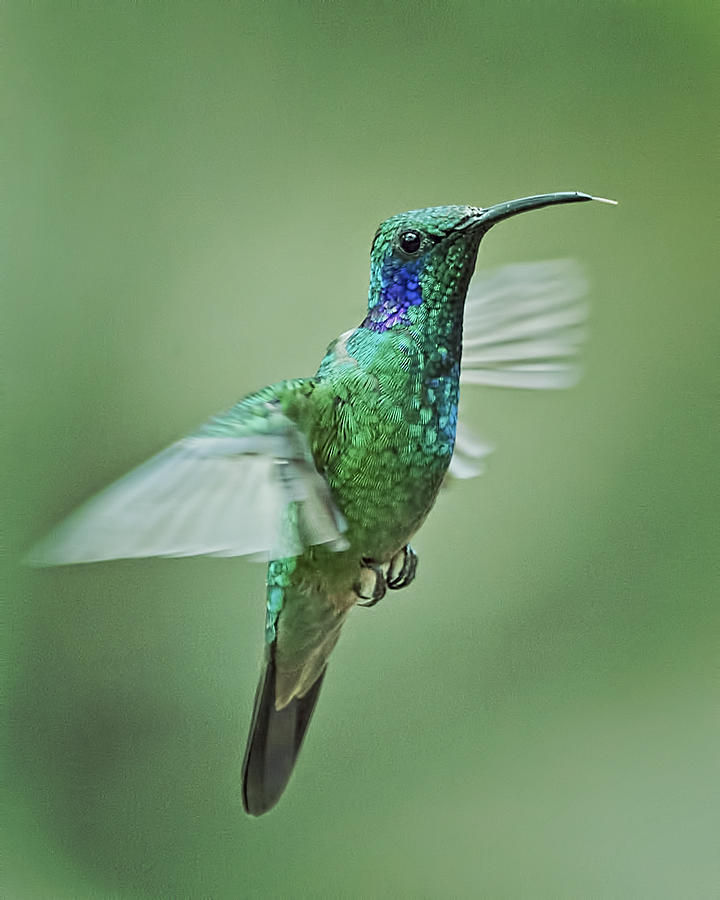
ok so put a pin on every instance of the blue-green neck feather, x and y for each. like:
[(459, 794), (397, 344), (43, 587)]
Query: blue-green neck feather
[(393, 293)]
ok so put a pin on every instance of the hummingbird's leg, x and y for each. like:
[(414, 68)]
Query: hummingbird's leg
[(402, 568), (371, 584)]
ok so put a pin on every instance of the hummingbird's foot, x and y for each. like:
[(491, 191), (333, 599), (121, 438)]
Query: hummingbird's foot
[(371, 584), (402, 568)]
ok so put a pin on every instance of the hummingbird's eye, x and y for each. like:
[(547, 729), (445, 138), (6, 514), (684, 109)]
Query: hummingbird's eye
[(410, 241)]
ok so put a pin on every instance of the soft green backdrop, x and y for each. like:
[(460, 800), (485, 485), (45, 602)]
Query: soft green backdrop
[(193, 189)]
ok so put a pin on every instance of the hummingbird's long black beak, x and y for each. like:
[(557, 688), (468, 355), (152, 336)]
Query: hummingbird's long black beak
[(494, 214)]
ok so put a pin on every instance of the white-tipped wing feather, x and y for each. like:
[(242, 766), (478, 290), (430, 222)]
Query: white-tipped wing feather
[(213, 494), (468, 459), (524, 328)]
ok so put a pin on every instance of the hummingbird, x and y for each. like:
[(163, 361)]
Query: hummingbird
[(328, 477)]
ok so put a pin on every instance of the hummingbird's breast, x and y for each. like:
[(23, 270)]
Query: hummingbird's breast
[(385, 439)]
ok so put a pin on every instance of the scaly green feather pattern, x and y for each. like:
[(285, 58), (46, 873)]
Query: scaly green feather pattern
[(380, 418)]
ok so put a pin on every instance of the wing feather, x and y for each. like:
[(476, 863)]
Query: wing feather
[(524, 328), (225, 491)]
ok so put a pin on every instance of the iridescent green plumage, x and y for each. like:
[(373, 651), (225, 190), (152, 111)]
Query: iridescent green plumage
[(380, 417), (330, 476)]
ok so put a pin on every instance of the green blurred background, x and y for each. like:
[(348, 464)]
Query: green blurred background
[(193, 192)]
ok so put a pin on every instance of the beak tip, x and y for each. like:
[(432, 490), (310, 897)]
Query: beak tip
[(604, 200)]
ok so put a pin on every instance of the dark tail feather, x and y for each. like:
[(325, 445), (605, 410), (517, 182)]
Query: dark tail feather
[(274, 742)]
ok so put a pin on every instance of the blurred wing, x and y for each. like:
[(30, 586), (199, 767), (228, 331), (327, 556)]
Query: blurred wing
[(524, 328), (468, 459), (244, 484), (525, 325)]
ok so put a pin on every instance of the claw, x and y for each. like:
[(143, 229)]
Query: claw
[(402, 569), (371, 585)]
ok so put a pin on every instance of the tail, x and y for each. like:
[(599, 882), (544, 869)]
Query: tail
[(274, 742)]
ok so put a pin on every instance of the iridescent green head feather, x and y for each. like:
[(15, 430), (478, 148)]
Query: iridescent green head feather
[(420, 258), (425, 257)]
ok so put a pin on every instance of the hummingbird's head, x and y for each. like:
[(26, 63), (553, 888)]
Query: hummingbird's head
[(425, 256), (422, 261)]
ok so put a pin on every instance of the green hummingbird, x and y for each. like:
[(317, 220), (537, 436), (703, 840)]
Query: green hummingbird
[(329, 477)]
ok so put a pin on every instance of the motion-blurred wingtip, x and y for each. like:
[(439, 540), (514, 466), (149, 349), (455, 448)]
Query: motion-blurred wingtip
[(38, 557)]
